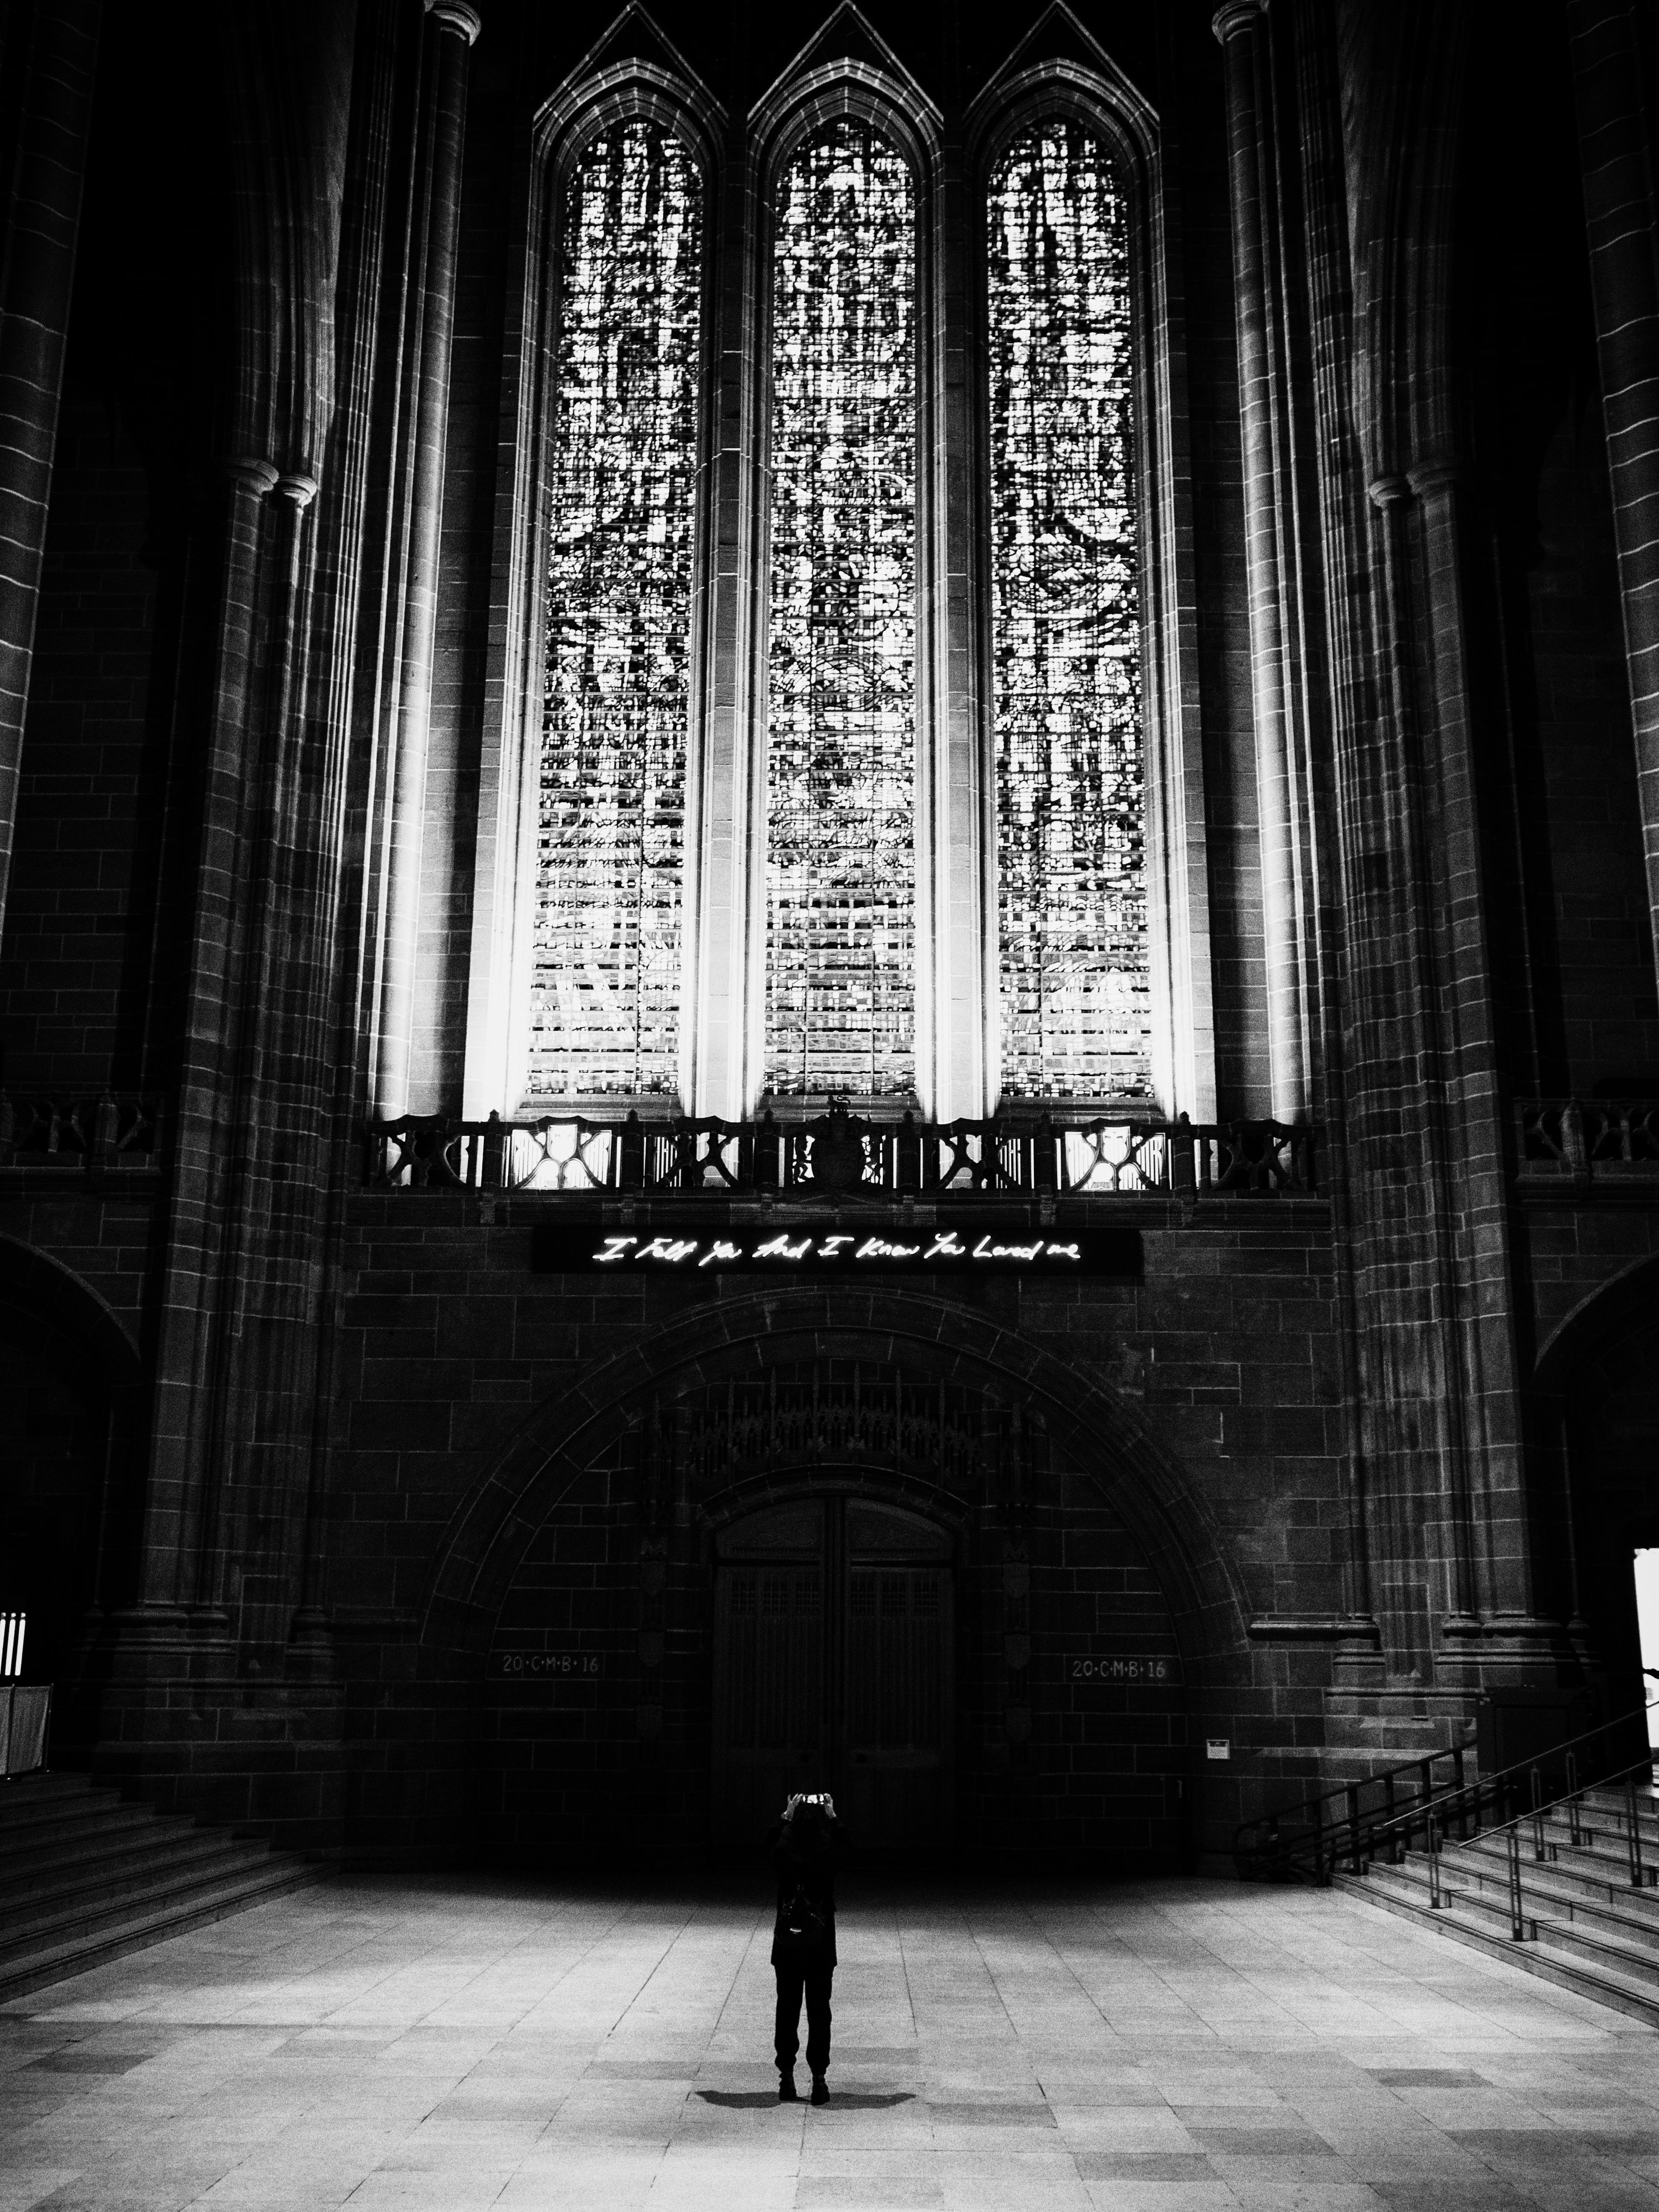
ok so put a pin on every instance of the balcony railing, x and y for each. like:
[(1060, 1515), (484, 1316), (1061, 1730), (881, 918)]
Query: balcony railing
[(843, 1154), (118, 1129), (1588, 1139)]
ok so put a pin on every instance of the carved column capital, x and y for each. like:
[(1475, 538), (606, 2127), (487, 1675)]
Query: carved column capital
[(248, 472), (455, 15), (1237, 15), (1388, 491), (1429, 479), (294, 484)]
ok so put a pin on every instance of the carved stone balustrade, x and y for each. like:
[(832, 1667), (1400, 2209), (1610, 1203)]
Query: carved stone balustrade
[(1605, 1140), (118, 1129), (840, 1155)]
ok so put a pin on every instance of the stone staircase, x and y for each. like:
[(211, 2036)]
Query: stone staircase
[(1595, 1932), (85, 1876)]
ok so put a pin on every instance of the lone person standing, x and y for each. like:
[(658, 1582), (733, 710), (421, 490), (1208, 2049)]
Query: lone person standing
[(803, 1937)]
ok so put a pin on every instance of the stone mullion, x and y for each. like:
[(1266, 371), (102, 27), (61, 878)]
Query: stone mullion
[(1485, 1281), (1261, 411), (42, 225), (453, 28), (1618, 155), (956, 827), (728, 986)]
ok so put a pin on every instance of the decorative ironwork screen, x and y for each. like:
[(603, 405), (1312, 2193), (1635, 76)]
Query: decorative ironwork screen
[(1066, 611), (840, 749), (605, 991)]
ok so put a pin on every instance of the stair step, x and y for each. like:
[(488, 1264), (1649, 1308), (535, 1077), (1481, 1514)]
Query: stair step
[(1603, 1943), (1634, 1914), (1591, 1865), (42, 1838), (124, 1883), (85, 1876), (57, 1956), (1620, 1987)]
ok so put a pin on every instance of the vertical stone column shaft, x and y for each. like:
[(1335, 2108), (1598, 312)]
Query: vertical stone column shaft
[(174, 1501), (1261, 404), (41, 228), (1618, 154), (455, 27)]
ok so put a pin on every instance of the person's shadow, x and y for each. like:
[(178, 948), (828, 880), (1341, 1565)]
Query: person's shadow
[(852, 2100)]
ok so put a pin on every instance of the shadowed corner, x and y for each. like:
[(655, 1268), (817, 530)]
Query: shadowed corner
[(745, 2100)]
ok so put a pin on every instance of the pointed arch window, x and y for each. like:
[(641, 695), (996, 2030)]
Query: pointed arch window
[(841, 730), (853, 699), (620, 531), (1074, 968)]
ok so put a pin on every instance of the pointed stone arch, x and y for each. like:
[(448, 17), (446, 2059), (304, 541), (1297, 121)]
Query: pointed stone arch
[(1093, 1431)]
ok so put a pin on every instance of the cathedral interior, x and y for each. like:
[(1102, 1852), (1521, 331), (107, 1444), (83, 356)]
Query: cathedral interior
[(829, 860)]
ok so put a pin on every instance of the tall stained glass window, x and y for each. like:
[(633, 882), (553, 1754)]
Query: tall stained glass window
[(1066, 612), (606, 988), (840, 741)]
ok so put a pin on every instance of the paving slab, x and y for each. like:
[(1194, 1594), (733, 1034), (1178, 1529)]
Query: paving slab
[(432, 2045)]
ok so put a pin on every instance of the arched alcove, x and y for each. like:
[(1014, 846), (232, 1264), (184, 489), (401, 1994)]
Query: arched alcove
[(583, 1587), (69, 1499)]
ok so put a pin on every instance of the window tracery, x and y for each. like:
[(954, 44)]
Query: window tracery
[(841, 725), (621, 525), (1076, 1011)]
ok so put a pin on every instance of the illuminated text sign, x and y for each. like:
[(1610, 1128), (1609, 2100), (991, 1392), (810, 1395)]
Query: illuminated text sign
[(561, 1250)]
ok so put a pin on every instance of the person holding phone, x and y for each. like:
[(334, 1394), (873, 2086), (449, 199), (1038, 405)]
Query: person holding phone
[(803, 1936)]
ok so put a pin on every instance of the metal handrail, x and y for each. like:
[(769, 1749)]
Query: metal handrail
[(1523, 1928), (1304, 1842)]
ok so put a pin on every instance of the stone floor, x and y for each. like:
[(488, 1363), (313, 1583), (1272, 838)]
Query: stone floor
[(1169, 2047)]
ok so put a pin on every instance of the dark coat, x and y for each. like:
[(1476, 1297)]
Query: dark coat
[(805, 1851)]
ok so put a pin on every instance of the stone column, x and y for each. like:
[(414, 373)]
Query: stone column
[(1262, 404), (454, 27), (1618, 152), (181, 1421), (41, 228)]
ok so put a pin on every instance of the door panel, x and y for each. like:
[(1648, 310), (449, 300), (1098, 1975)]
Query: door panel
[(833, 1669), (770, 1689), (898, 1736)]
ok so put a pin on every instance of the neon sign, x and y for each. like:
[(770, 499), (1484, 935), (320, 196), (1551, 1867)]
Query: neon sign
[(797, 1251)]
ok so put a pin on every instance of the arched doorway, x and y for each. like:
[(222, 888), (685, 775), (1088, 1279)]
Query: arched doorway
[(834, 1668), (69, 1501)]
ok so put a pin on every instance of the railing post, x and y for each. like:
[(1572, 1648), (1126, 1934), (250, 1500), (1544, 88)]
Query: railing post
[(1517, 1924), (767, 1176), (493, 1149), (1353, 1825), (1045, 1165), (1435, 1898), (1459, 1785), (907, 1165), (1537, 1816), (1182, 1176), (632, 1176), (1572, 1140), (1573, 1828), (1638, 1875)]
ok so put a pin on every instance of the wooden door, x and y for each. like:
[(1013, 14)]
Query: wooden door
[(771, 1733), (896, 1767), (833, 1670)]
